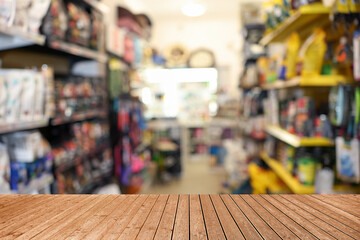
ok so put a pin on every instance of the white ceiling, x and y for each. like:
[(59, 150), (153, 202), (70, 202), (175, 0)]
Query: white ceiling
[(173, 7)]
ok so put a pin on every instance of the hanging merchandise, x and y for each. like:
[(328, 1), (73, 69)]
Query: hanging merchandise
[(311, 54), (343, 51), (79, 25), (348, 159), (339, 105), (356, 54), (55, 23), (293, 45)]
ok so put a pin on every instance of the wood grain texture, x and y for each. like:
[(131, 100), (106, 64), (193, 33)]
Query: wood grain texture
[(166, 226), (181, 226), (197, 225), (179, 217), (213, 226)]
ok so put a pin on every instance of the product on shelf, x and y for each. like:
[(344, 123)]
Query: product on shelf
[(30, 156), (78, 95), (24, 96), (84, 158), (4, 170), (348, 159), (55, 23), (79, 24)]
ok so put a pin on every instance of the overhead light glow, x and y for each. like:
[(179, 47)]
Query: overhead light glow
[(193, 9)]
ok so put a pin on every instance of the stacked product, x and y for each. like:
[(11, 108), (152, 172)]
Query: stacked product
[(83, 158), (23, 96), (30, 161)]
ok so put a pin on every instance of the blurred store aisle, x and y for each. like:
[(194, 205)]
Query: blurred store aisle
[(198, 179)]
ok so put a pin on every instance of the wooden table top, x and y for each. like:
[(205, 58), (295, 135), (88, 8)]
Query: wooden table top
[(180, 216)]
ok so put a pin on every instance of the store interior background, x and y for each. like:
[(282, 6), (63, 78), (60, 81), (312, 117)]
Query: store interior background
[(117, 119)]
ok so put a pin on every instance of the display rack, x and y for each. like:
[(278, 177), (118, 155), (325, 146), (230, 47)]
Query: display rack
[(16, 38), (294, 185), (314, 15), (12, 127), (77, 50), (295, 141), (78, 117), (309, 81)]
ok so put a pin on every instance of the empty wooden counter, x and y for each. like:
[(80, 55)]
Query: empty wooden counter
[(180, 216)]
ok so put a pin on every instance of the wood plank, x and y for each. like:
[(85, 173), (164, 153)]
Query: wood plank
[(21, 224), (247, 229), (319, 222), (333, 222), (147, 232), (133, 228), (265, 231), (197, 225), (8, 200), (16, 222), (58, 214), (339, 204), (308, 225), (93, 218), (82, 219), (119, 226), (348, 198), (284, 219), (212, 223), (100, 230), (344, 217), (272, 221), (181, 226), (22, 206), (231, 230), (166, 226), (48, 233)]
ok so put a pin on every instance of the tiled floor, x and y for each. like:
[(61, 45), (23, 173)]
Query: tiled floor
[(198, 178)]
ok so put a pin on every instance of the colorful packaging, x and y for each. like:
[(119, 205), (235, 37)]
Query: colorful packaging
[(40, 95), (4, 170), (293, 45), (3, 99), (348, 159), (14, 87), (55, 22), (36, 12), (312, 53), (79, 25), (356, 54), (306, 170), (27, 96)]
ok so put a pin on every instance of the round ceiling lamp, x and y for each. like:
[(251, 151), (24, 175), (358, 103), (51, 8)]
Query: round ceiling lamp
[(192, 9)]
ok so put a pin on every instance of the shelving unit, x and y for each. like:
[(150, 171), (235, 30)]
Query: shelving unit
[(315, 15), (16, 38), (78, 117), (12, 127), (77, 50), (294, 185), (295, 141), (310, 81)]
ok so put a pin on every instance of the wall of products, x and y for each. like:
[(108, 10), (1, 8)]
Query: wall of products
[(301, 99)]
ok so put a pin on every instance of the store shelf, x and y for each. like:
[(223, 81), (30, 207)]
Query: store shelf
[(36, 184), (310, 81), (78, 117), (296, 141), (13, 127), (305, 19), (77, 50), (13, 38), (294, 185)]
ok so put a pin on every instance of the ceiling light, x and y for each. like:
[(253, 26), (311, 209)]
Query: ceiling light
[(193, 9)]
